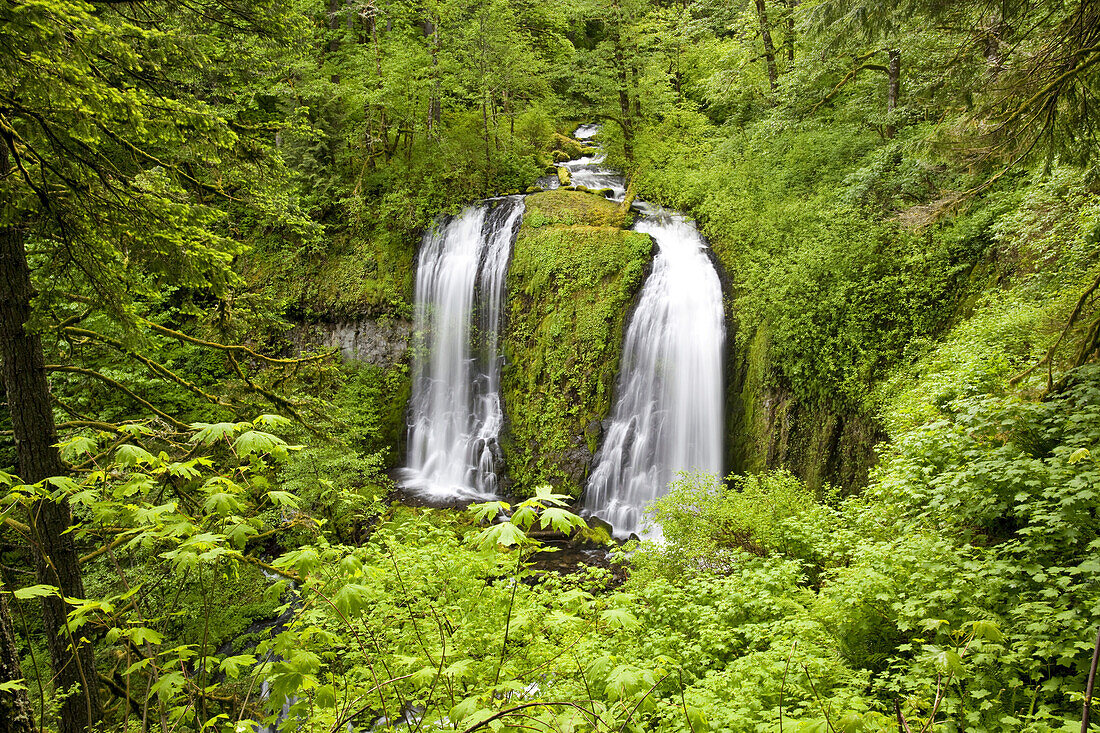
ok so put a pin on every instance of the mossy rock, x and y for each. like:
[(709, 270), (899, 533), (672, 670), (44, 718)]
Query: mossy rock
[(596, 533), (534, 189), (551, 169), (564, 177), (584, 189), (562, 207), (605, 192), (573, 276), (567, 146), (362, 272), (587, 150), (561, 157)]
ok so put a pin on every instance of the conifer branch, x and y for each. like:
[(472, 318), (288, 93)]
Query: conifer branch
[(121, 388)]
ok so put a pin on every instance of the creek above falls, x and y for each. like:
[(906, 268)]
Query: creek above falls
[(654, 408)]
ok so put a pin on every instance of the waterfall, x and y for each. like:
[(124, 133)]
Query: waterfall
[(668, 414), (455, 412)]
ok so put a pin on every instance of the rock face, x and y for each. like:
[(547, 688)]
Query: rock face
[(381, 342), (769, 427)]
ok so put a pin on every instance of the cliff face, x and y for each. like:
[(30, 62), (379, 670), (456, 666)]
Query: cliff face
[(382, 342), (768, 426)]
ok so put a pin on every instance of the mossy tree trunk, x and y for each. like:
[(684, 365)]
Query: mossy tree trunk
[(29, 402), (893, 89), (769, 46), (15, 708), (788, 41)]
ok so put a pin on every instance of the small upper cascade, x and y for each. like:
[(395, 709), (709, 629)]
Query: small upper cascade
[(455, 412), (589, 170)]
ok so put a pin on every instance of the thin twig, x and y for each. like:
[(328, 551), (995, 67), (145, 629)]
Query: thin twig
[(1088, 688)]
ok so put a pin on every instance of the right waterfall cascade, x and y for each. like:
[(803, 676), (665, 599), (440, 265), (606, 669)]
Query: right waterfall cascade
[(668, 412)]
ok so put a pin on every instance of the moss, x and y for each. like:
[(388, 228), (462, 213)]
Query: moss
[(564, 178), (568, 146), (752, 432), (566, 208), (821, 441), (573, 276), (359, 273), (368, 276), (595, 535)]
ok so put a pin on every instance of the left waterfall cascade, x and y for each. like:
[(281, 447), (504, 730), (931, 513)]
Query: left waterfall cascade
[(455, 414)]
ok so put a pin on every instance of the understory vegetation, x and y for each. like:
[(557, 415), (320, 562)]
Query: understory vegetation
[(200, 526)]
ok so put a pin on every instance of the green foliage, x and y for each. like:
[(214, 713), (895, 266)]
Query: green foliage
[(179, 180), (709, 526), (434, 614), (572, 278), (175, 526)]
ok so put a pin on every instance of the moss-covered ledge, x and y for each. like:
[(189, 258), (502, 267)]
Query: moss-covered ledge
[(574, 273)]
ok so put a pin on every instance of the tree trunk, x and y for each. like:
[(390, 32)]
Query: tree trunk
[(893, 89), (625, 109), (769, 47), (488, 152), (623, 77), (788, 41), (56, 559), (435, 103), (383, 137), (15, 708), (334, 39), (992, 47)]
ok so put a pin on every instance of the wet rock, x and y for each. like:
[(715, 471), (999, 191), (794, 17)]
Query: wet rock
[(568, 147), (382, 342)]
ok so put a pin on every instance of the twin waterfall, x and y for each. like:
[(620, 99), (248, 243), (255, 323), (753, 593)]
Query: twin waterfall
[(668, 412)]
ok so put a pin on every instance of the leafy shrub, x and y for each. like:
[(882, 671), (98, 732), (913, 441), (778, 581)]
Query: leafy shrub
[(709, 526)]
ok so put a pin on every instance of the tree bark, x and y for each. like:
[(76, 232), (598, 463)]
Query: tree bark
[(893, 89), (769, 47), (334, 39), (788, 40), (435, 103), (15, 708), (56, 560), (379, 83)]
